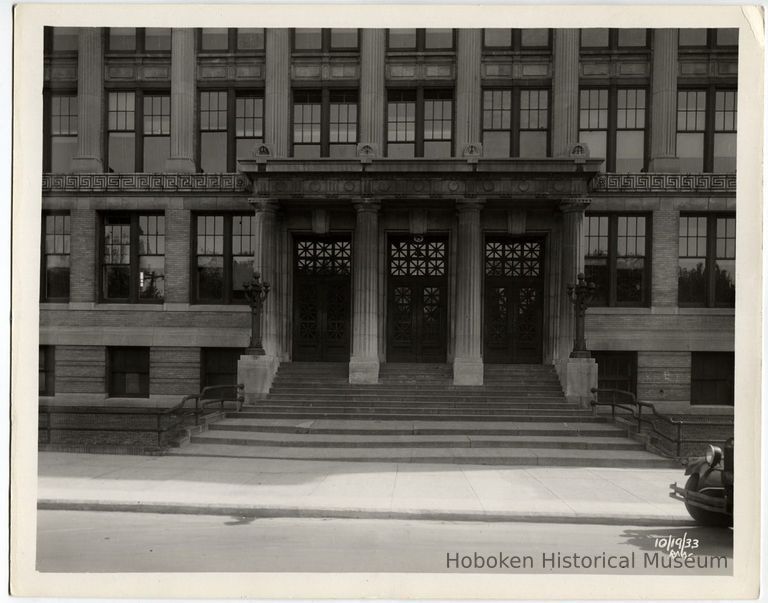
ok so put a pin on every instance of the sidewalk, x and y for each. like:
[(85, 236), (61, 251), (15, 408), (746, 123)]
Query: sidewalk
[(287, 488)]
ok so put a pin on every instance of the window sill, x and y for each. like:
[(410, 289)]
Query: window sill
[(597, 310), (167, 307)]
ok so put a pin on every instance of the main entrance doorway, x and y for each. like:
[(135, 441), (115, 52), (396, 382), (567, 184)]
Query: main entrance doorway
[(321, 298), (514, 294), (417, 292)]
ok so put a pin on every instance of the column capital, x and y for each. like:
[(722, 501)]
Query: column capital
[(271, 206), (574, 205), (469, 205), (366, 205)]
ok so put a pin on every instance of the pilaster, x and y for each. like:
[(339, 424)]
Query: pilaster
[(182, 159), (90, 100), (468, 91), (83, 252), (277, 91), (265, 261), (565, 92), (666, 225), (177, 250), (364, 363), (468, 361), (664, 102), (372, 87)]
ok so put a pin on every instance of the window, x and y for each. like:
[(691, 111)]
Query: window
[(420, 39), (62, 139), (515, 131), (62, 39), (614, 39), (128, 372), (325, 40), (516, 39), (324, 123), (133, 39), (712, 378), (219, 366), (222, 39), (706, 130), (707, 261), (699, 39), (612, 124), (139, 131), (46, 371), (133, 258), (617, 248), (616, 370), (224, 141), (224, 257), (419, 123), (56, 240)]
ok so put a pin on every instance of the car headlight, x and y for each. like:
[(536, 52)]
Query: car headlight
[(713, 455)]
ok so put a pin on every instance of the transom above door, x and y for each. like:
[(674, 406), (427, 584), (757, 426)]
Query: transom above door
[(514, 299), (322, 298), (417, 292)]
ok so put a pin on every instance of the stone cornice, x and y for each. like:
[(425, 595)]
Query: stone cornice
[(145, 183), (661, 184)]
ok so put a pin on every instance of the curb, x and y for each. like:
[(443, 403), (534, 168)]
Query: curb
[(351, 513)]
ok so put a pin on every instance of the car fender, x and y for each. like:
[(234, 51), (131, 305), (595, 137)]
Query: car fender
[(698, 465)]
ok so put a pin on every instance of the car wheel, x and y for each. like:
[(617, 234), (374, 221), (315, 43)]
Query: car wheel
[(702, 516)]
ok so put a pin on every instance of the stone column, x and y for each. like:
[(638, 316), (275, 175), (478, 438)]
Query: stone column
[(90, 101), (565, 92), (664, 102), (364, 364), (183, 89), (257, 372), (468, 91), (372, 89), (277, 91), (468, 361), (577, 375)]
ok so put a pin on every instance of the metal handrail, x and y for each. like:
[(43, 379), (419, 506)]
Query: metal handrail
[(202, 401), (635, 408)]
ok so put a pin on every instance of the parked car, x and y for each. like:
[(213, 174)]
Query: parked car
[(708, 492)]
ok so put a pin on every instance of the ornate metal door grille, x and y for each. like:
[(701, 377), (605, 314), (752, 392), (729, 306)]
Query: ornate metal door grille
[(322, 296), (514, 288), (417, 298)]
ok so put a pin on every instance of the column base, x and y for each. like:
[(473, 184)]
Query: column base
[(363, 370), (87, 165), (256, 374), (664, 165), (180, 165), (467, 371), (580, 378)]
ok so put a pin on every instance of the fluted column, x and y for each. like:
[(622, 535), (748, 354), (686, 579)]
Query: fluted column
[(664, 102), (277, 91), (364, 363), (372, 88), (90, 100), (468, 108), (565, 92), (468, 361), (572, 254), (265, 262), (182, 159)]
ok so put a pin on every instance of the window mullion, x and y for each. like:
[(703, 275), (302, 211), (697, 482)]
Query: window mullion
[(325, 118), (419, 142), (138, 109), (232, 39), (514, 143), (231, 140), (709, 130), (47, 143), (610, 143)]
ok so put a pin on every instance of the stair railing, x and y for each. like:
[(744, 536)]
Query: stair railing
[(634, 409), (206, 398)]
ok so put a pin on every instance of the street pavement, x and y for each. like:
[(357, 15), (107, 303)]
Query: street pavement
[(90, 541), (320, 489)]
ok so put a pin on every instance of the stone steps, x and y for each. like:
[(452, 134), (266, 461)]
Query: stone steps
[(433, 415)]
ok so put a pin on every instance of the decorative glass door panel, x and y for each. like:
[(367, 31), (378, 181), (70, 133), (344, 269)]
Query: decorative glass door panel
[(322, 298), (416, 298), (514, 296)]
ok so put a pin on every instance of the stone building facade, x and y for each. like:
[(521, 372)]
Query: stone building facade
[(410, 195)]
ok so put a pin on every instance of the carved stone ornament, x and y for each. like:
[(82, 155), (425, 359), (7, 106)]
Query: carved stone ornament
[(472, 152), (262, 151), (367, 151), (579, 152)]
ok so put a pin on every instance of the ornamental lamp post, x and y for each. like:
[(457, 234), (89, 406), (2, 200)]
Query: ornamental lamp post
[(581, 296), (256, 293)]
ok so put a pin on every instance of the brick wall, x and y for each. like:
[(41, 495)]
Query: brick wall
[(80, 369), (664, 376), (174, 371), (177, 250), (83, 255), (665, 249)]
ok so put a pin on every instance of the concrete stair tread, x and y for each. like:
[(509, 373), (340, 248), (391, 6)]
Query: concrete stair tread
[(482, 456), (423, 416)]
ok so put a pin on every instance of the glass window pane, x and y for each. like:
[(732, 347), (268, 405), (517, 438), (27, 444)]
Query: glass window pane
[(437, 149), (690, 152), (306, 151), (343, 38), (157, 149), (629, 279), (496, 144), (308, 38), (213, 152), (250, 38), (596, 271), (152, 277), (122, 152), (727, 37), (630, 147), (534, 37), (210, 278), (57, 276), (63, 150), (693, 37), (122, 38), (498, 38), (725, 152), (65, 39), (401, 150), (438, 38), (596, 141), (533, 143), (157, 39), (632, 37), (402, 38), (594, 37), (215, 38)]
